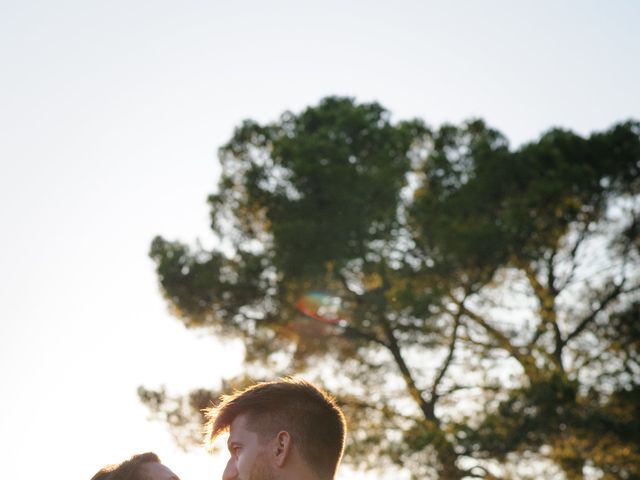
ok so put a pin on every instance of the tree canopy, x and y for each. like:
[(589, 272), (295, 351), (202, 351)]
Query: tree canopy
[(474, 307)]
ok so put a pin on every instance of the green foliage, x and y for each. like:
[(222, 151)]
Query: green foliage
[(488, 297)]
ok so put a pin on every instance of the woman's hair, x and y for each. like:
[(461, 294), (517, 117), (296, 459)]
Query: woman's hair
[(127, 470)]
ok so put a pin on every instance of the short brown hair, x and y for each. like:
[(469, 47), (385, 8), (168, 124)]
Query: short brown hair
[(311, 416), (127, 470)]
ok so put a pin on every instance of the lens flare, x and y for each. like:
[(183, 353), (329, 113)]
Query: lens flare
[(320, 306)]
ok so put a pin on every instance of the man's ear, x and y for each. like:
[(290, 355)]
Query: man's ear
[(282, 448)]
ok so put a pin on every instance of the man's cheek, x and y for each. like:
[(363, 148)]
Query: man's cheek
[(241, 462)]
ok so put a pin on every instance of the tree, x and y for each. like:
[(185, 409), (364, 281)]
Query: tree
[(476, 306)]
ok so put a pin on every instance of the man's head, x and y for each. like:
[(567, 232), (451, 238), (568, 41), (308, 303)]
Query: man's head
[(145, 466), (278, 430)]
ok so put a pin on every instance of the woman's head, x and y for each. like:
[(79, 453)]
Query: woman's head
[(145, 466)]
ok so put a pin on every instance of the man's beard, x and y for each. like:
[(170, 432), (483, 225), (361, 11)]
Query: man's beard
[(261, 470)]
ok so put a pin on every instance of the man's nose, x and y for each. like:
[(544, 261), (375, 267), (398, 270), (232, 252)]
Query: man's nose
[(230, 471)]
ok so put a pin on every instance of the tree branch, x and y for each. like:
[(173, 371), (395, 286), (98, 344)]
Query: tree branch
[(502, 341), (447, 362), (591, 317), (356, 332), (546, 296), (589, 359), (354, 402), (457, 388), (414, 391), (572, 256)]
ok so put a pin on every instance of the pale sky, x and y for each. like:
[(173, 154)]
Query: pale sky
[(110, 116)]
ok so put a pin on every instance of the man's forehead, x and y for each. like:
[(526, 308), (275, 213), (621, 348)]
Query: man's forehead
[(239, 428)]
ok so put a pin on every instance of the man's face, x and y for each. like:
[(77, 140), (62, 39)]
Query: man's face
[(155, 471), (249, 457)]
